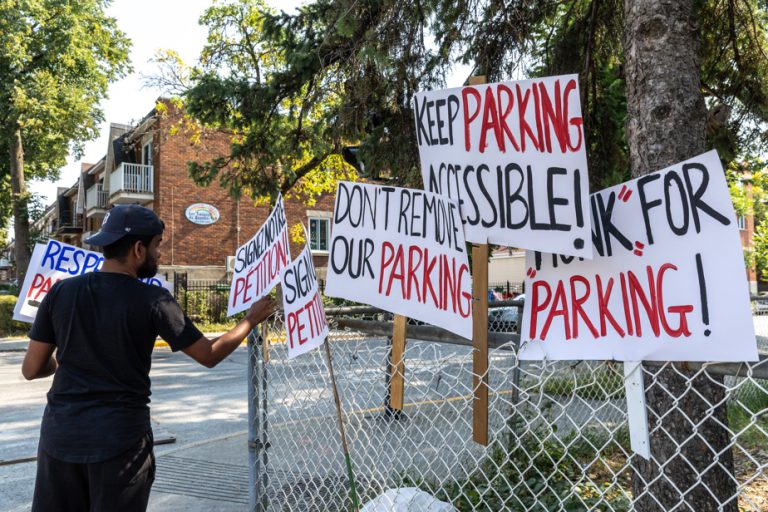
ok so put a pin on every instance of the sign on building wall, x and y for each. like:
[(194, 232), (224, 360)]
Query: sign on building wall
[(305, 324), (259, 261), (403, 251), (203, 214), (52, 262), (667, 281), (513, 156)]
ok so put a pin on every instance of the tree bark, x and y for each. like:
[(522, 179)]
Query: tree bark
[(691, 465), (20, 212)]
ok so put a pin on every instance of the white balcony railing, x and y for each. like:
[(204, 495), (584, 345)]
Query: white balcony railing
[(131, 178), (95, 197)]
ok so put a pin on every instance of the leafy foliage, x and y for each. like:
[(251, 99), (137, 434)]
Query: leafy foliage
[(296, 88), (57, 58)]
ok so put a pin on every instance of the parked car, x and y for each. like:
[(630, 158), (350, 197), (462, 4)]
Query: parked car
[(760, 306), (504, 319)]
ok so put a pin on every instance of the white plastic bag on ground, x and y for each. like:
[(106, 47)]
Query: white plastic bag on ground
[(407, 499)]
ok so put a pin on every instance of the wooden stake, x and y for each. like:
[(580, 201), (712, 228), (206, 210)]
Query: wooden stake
[(480, 332), (397, 377), (342, 432), (480, 343)]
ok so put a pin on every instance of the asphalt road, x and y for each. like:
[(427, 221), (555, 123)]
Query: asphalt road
[(189, 402)]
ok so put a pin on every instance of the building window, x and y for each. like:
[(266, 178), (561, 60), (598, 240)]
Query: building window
[(146, 154), (742, 222), (318, 234)]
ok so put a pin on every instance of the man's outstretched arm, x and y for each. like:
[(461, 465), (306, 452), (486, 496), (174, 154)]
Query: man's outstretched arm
[(39, 361), (209, 352)]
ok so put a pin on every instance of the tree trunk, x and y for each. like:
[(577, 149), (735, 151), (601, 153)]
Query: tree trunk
[(20, 212), (691, 466)]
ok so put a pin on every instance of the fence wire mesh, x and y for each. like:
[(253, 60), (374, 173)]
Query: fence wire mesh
[(558, 430)]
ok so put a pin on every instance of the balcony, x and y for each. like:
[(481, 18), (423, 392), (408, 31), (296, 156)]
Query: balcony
[(95, 200), (132, 183), (69, 223)]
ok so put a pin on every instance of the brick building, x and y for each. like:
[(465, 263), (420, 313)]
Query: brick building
[(147, 164)]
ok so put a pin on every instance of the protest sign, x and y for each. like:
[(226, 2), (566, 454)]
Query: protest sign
[(259, 261), (305, 323), (52, 262), (403, 251), (667, 282), (513, 156)]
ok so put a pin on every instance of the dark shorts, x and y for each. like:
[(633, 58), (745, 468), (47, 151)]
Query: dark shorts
[(118, 484)]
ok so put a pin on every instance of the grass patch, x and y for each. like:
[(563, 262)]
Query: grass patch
[(532, 469), (748, 414), (606, 383)]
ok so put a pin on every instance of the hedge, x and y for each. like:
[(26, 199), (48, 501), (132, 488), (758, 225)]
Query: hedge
[(8, 326)]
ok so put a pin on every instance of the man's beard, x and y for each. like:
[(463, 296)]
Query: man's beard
[(147, 269)]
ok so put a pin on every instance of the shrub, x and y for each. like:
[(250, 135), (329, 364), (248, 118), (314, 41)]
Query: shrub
[(8, 326)]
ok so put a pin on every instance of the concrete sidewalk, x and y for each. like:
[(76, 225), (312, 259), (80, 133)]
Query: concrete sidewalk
[(209, 475)]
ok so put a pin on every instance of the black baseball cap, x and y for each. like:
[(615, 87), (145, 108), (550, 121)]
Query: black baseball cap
[(130, 219)]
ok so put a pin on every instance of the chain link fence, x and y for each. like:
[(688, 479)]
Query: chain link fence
[(558, 430)]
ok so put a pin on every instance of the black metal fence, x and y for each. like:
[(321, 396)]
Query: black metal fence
[(205, 302)]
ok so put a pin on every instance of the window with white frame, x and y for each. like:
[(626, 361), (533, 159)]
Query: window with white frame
[(742, 222), (319, 229), (146, 154)]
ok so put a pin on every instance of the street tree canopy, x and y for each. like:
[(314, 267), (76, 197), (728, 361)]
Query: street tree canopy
[(57, 58), (298, 87)]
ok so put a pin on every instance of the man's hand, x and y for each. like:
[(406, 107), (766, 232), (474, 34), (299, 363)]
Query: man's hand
[(260, 310)]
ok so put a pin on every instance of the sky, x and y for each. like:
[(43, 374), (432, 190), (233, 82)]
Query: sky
[(151, 25)]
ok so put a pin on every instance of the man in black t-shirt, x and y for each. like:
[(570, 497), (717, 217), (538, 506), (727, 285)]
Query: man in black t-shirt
[(95, 451)]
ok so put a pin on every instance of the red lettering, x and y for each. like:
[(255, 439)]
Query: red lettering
[(636, 292), (578, 311), (559, 308), (554, 117), (576, 121), (503, 115), (447, 282), (413, 265), (682, 329), (468, 118), (291, 320), (398, 264), (37, 282), (426, 282), (385, 261), (525, 128), (537, 306), (490, 121), (605, 313), (625, 303), (465, 294)]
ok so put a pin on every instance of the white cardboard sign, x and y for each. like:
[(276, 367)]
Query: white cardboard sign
[(259, 262), (667, 281), (401, 250), (52, 262), (305, 324), (513, 155)]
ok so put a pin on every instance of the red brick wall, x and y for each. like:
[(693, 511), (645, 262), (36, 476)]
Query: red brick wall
[(186, 243)]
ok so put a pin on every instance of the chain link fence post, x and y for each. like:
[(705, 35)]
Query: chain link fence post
[(257, 424)]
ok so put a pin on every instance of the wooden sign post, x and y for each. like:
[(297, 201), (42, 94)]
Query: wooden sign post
[(479, 332), (397, 364)]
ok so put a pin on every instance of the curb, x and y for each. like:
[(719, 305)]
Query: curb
[(19, 344)]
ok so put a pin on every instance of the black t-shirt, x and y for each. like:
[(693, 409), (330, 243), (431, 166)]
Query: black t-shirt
[(104, 326)]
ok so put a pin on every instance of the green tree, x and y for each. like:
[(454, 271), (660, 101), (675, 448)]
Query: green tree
[(294, 147), (57, 58)]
